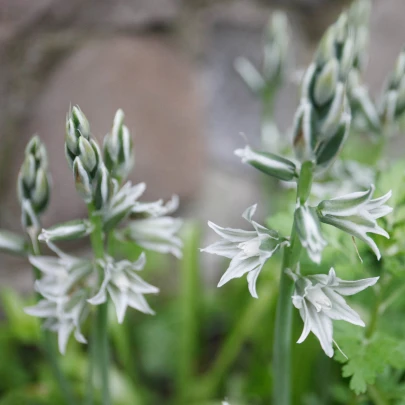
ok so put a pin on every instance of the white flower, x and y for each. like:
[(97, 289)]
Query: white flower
[(64, 315), (356, 214), (249, 250), (63, 306), (150, 226), (309, 232), (124, 286), (319, 300)]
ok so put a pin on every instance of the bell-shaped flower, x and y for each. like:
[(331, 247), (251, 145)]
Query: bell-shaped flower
[(356, 214), (124, 286), (64, 315), (309, 231), (60, 274), (249, 250), (319, 300)]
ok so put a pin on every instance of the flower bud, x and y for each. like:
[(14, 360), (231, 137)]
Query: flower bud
[(82, 181), (104, 187), (33, 183), (78, 141), (309, 231), (304, 132), (326, 82), (69, 230), (276, 45), (87, 155), (334, 116), (347, 58), (273, 165), (13, 243), (326, 48), (327, 151), (118, 148)]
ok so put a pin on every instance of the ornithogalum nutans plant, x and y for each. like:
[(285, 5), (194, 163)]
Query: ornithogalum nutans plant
[(72, 289), (332, 95)]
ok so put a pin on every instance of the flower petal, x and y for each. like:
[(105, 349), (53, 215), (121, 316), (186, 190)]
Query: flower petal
[(340, 311), (353, 287), (321, 326), (232, 235), (238, 268), (307, 323), (222, 248)]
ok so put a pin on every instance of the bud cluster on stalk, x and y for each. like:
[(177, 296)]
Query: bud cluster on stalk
[(92, 179), (33, 185), (323, 118), (275, 52)]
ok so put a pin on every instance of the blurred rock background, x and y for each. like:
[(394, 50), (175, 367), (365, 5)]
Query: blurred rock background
[(168, 64)]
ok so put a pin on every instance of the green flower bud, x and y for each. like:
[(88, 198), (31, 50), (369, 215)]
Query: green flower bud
[(304, 133), (82, 181), (104, 188), (118, 148), (326, 82), (69, 230), (13, 243), (87, 155), (326, 48), (336, 110), (78, 142), (276, 46), (33, 185), (347, 58), (327, 150), (276, 166)]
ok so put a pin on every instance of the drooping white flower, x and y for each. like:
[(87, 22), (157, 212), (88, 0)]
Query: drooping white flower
[(64, 315), (150, 225), (249, 250), (356, 214), (63, 306), (319, 300), (309, 232), (124, 286)]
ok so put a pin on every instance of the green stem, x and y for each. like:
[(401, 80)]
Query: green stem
[(48, 341), (188, 301), (283, 324), (101, 360)]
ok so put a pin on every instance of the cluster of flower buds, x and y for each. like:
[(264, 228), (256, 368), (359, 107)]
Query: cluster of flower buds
[(323, 118), (33, 186), (118, 148), (274, 59), (392, 105), (92, 179)]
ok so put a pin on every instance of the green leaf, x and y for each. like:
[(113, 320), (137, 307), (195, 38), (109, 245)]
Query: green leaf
[(369, 358)]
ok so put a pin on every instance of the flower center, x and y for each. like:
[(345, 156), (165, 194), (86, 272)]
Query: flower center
[(318, 299), (121, 281), (251, 247)]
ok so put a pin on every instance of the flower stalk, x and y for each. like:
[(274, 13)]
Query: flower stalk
[(100, 358), (283, 325)]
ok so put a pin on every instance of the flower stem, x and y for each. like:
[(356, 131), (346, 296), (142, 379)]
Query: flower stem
[(283, 326), (48, 342), (101, 360)]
